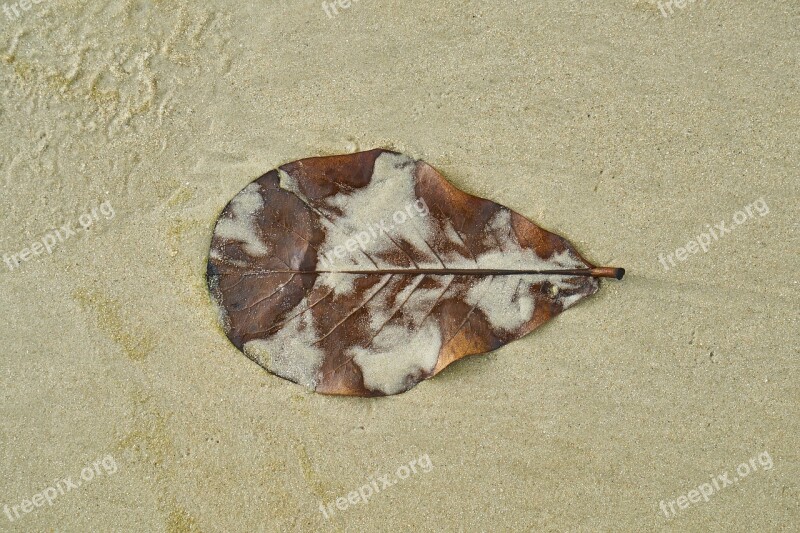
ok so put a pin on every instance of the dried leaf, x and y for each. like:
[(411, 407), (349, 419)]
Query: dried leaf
[(364, 274)]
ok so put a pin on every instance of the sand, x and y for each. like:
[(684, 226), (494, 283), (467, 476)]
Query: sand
[(631, 133)]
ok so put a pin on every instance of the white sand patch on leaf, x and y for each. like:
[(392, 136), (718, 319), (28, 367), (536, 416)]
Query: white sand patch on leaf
[(259, 351), (410, 297), (408, 289), (242, 227), (395, 354), (382, 209), (497, 229), (506, 300), (289, 184), (569, 301), (391, 186), (454, 237), (339, 282), (290, 352), (418, 231), (353, 259)]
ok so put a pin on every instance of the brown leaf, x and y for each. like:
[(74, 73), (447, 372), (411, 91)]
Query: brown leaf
[(364, 274)]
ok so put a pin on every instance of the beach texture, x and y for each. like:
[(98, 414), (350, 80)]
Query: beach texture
[(658, 137)]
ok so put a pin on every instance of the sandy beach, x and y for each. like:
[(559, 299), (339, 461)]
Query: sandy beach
[(661, 137)]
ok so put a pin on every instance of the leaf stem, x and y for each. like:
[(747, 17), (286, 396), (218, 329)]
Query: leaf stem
[(597, 272)]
